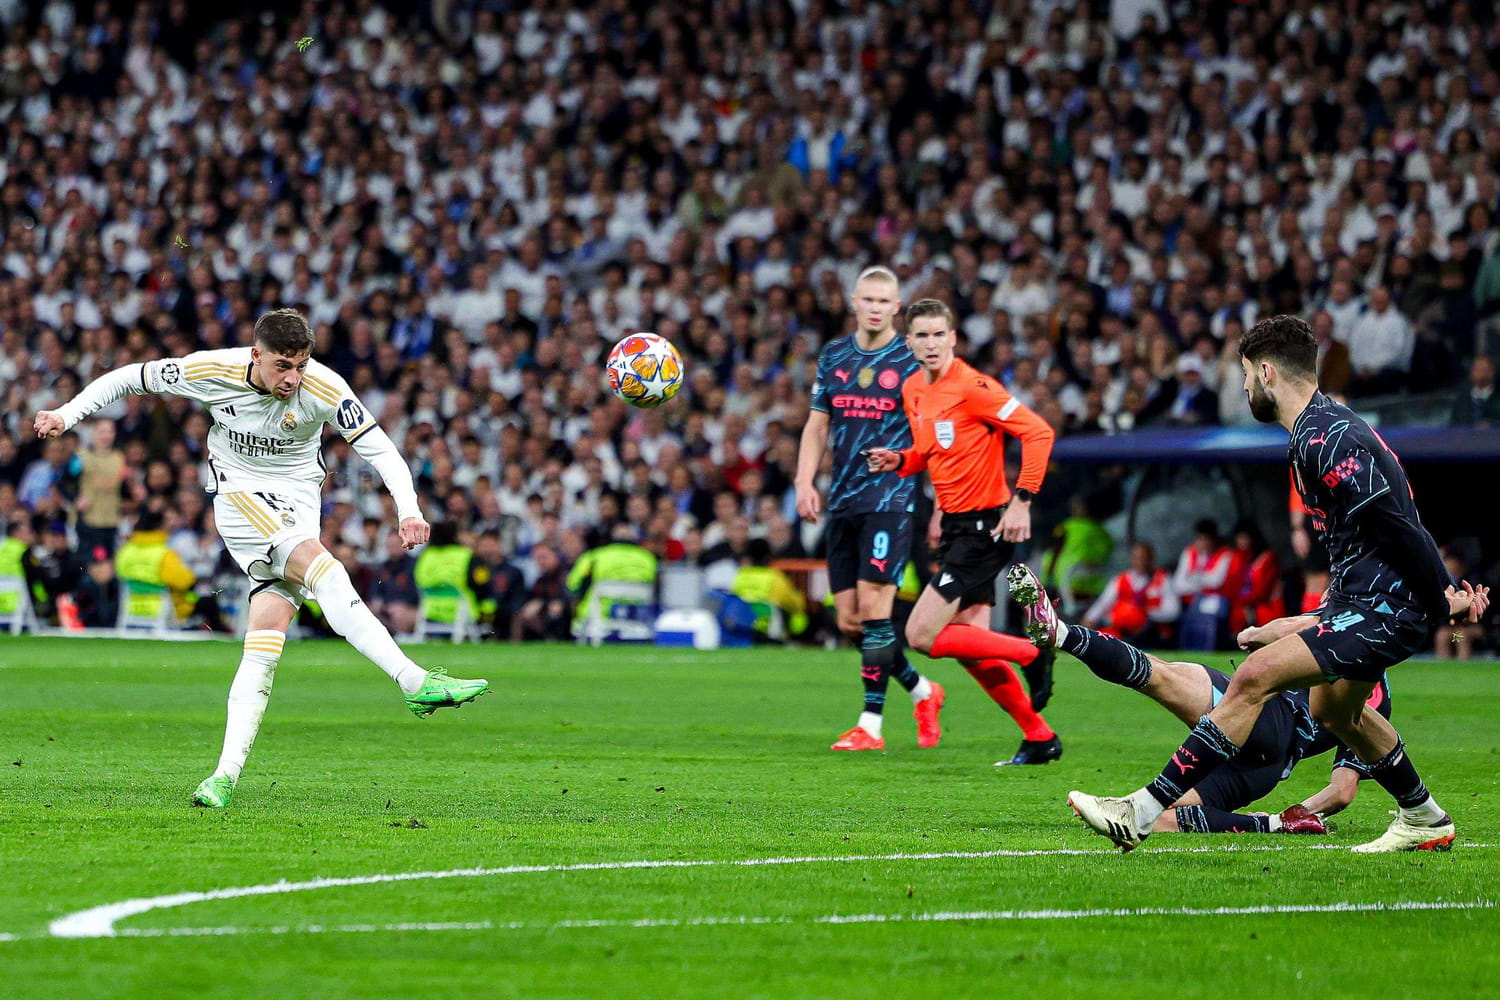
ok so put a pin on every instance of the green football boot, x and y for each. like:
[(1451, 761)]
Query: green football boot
[(213, 792), (441, 691)]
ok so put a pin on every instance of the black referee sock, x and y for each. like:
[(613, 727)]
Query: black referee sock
[(1109, 658), (1207, 819)]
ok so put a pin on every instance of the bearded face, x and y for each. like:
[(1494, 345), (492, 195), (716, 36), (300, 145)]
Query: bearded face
[(1262, 406)]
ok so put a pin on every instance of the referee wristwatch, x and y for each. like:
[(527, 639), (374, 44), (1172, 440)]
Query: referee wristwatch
[(1025, 496)]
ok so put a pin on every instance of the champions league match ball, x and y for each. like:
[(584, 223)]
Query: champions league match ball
[(644, 370)]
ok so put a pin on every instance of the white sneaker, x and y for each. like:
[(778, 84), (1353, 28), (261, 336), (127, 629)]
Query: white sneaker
[(1042, 623), (1404, 835), (1109, 817)]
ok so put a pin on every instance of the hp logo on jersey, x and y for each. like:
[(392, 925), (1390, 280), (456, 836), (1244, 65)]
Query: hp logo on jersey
[(351, 415)]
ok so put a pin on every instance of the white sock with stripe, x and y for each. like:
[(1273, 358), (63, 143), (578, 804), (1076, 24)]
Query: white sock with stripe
[(248, 695), (347, 614)]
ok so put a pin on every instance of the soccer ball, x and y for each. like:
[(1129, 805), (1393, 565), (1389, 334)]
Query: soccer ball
[(644, 370)]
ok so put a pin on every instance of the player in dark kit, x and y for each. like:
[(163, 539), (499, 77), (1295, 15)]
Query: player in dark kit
[(1388, 590), (1282, 736), (856, 401)]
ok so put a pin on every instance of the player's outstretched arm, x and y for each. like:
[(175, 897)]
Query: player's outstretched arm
[(1334, 797), (809, 457), (127, 380), (1257, 636)]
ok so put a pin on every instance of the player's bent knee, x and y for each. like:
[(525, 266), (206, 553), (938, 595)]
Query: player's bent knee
[(920, 638), (1254, 682)]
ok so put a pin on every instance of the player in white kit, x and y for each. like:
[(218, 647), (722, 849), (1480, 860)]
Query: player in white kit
[(269, 404)]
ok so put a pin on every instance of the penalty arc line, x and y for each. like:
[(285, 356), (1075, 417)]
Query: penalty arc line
[(99, 921)]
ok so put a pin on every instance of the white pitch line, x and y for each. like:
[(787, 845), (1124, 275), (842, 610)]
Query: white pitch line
[(99, 921), (836, 919)]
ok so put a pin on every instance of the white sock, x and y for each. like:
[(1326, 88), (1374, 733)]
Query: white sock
[(1147, 809), (1426, 814), (350, 618), (1274, 822), (248, 695), (870, 723), (922, 691)]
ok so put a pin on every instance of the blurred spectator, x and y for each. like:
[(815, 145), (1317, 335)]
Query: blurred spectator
[(101, 478), (769, 593), (1477, 406), (1076, 559), (1138, 605), (146, 559), (622, 559), (99, 594), (1194, 403), (1256, 577), (1335, 373), (448, 577), (1203, 569), (19, 563), (1380, 346), (547, 610), (505, 586), (393, 594), (61, 568)]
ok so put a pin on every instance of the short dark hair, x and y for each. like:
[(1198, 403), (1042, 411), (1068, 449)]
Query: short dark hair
[(923, 308), (1287, 341), (284, 331)]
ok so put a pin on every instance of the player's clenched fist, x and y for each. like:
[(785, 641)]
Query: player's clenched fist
[(48, 424), (414, 531)]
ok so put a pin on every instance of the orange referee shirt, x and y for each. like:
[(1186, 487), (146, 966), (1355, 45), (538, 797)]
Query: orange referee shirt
[(958, 428)]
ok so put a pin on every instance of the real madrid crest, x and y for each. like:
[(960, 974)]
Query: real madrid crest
[(866, 377), (288, 520), (289, 422)]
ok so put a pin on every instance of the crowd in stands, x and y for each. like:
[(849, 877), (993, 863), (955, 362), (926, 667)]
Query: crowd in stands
[(473, 201)]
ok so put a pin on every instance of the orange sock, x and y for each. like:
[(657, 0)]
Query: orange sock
[(970, 642), (1001, 683)]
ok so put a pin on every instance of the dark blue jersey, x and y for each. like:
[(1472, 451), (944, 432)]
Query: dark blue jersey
[(1360, 504), (861, 393)]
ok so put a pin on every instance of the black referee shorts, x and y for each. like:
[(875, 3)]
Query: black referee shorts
[(970, 557)]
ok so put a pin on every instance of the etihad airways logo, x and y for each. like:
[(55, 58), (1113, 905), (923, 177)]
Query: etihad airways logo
[(849, 401)]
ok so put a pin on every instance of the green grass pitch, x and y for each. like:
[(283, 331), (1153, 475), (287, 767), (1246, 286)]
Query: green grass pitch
[(598, 757)]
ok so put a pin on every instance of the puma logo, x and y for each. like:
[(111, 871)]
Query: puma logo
[(1181, 765)]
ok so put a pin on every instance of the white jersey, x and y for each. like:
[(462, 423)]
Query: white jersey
[(258, 439)]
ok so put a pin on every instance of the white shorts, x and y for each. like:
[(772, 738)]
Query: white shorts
[(261, 528)]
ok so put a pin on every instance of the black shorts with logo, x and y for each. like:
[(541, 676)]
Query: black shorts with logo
[(873, 546), (970, 557), (1359, 644)]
